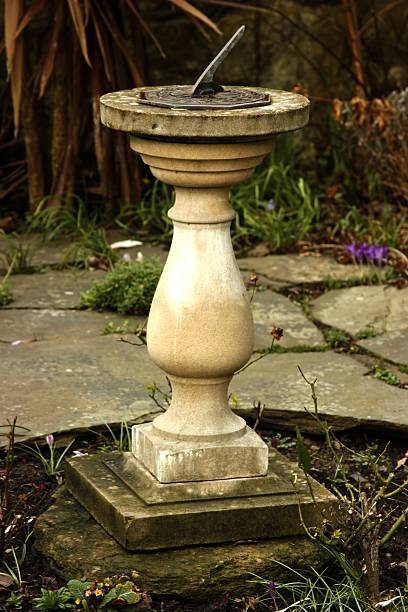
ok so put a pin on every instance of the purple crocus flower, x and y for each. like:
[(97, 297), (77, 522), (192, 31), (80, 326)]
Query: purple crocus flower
[(274, 442), (272, 589), (377, 253), (271, 205), (49, 439), (374, 253), (126, 258)]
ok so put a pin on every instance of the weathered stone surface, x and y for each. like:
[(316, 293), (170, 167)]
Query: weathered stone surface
[(346, 396), (121, 110), (137, 525), (185, 460), (53, 386), (70, 326), (56, 289), (77, 546), (272, 309), (354, 309), (390, 345), (293, 269)]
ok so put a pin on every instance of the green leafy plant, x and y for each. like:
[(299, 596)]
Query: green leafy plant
[(17, 256), (113, 328), (337, 338), (89, 244), (52, 460), (128, 288), (121, 442), (111, 593), (15, 600), (315, 591), (5, 294), (382, 373), (368, 332), (274, 207), (54, 600)]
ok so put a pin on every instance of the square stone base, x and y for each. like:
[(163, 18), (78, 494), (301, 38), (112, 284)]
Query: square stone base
[(186, 461), (142, 514)]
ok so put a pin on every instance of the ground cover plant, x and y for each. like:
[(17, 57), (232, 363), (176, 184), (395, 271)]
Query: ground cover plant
[(128, 288)]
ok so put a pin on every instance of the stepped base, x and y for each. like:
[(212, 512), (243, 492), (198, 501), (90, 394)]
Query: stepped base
[(143, 514)]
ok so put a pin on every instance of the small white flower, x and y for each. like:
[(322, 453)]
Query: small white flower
[(139, 256)]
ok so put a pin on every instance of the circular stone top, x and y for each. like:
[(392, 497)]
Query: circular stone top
[(121, 110)]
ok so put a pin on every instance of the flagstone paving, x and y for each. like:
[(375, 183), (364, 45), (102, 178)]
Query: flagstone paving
[(59, 372), (294, 269), (53, 289), (347, 397), (271, 309), (391, 345), (354, 309)]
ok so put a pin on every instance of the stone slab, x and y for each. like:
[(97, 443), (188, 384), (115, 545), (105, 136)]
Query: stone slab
[(272, 309), (391, 345), (40, 254), (347, 396), (55, 289), (139, 526), (379, 307), (77, 546), (131, 471), (59, 385), (295, 269), (53, 253), (47, 324)]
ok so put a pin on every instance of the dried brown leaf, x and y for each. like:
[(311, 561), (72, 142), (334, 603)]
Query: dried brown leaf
[(12, 14), (80, 27), (15, 54), (32, 11), (193, 11), (16, 79), (48, 62)]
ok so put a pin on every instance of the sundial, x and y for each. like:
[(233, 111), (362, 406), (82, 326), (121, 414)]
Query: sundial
[(205, 93), (198, 474)]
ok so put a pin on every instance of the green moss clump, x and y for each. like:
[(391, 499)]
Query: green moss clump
[(5, 294), (128, 288)]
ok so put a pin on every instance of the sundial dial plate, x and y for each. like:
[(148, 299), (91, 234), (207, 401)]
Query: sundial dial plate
[(182, 97)]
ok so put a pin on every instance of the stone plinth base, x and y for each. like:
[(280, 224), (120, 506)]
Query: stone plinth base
[(143, 514), (175, 461), (76, 546)]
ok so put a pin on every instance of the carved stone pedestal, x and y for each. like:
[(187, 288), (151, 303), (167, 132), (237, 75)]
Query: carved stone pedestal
[(197, 469)]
